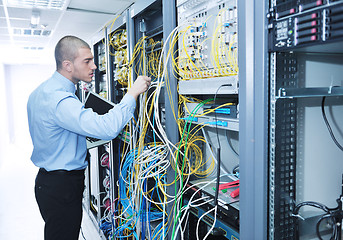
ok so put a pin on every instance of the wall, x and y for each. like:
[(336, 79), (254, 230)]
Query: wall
[(19, 213), (17, 84)]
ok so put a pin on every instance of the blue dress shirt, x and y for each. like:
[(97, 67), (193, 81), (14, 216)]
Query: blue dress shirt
[(58, 124)]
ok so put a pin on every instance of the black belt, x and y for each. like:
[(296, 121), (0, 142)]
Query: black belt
[(63, 172)]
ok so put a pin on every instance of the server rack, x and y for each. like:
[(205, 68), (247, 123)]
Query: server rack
[(118, 81), (169, 23), (146, 32), (305, 56), (212, 30), (97, 195)]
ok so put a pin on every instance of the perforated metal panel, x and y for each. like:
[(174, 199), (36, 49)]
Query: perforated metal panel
[(285, 159), (282, 147)]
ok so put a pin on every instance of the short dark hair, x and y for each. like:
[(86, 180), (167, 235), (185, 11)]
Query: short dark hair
[(67, 49)]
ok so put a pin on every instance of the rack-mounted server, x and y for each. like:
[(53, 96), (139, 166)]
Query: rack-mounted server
[(318, 25)]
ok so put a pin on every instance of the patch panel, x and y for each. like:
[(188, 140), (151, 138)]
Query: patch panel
[(209, 85), (208, 44), (225, 117), (119, 62), (222, 123)]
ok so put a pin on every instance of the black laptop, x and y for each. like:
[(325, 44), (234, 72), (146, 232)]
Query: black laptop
[(101, 106)]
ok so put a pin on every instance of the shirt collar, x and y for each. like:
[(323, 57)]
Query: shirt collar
[(65, 82)]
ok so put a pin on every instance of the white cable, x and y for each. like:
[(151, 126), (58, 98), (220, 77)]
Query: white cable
[(214, 222), (189, 205)]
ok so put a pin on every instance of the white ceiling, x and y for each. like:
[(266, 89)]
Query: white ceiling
[(82, 18)]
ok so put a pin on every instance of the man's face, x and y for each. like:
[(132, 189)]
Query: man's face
[(83, 66)]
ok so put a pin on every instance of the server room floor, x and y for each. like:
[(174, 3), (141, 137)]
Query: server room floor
[(19, 213)]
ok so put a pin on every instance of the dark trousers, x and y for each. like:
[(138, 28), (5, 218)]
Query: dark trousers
[(59, 197)]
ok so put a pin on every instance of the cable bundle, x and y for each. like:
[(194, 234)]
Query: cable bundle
[(132, 193), (146, 153), (332, 215)]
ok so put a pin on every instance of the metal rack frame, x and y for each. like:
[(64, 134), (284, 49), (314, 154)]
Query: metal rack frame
[(253, 126)]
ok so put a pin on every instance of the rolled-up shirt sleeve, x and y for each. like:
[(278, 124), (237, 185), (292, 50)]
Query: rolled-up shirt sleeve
[(71, 115)]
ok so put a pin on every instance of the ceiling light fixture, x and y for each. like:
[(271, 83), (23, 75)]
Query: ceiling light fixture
[(35, 17), (43, 4), (30, 32)]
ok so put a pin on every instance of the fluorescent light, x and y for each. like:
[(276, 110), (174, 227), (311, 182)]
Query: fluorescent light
[(31, 32), (49, 4), (33, 48), (27, 32), (46, 33), (37, 32), (35, 17), (17, 31)]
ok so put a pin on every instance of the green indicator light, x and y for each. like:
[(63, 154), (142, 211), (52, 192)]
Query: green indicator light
[(290, 32)]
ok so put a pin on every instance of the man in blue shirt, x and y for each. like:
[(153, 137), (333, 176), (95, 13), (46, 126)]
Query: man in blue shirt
[(58, 124)]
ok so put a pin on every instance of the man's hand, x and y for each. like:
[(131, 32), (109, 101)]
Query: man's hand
[(141, 84)]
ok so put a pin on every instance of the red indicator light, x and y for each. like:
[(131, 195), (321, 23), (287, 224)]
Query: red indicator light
[(313, 23), (313, 30), (319, 2), (292, 10), (313, 38)]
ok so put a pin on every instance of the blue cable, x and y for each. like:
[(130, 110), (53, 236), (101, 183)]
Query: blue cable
[(127, 167)]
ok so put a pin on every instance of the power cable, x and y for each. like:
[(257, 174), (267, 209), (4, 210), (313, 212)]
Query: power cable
[(218, 149), (329, 127)]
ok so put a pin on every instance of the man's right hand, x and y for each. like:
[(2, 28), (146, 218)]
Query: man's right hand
[(141, 84)]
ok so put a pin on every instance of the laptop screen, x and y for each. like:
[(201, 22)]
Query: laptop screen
[(99, 104)]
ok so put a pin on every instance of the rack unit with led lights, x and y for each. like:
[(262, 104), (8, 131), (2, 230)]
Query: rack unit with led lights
[(314, 23)]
